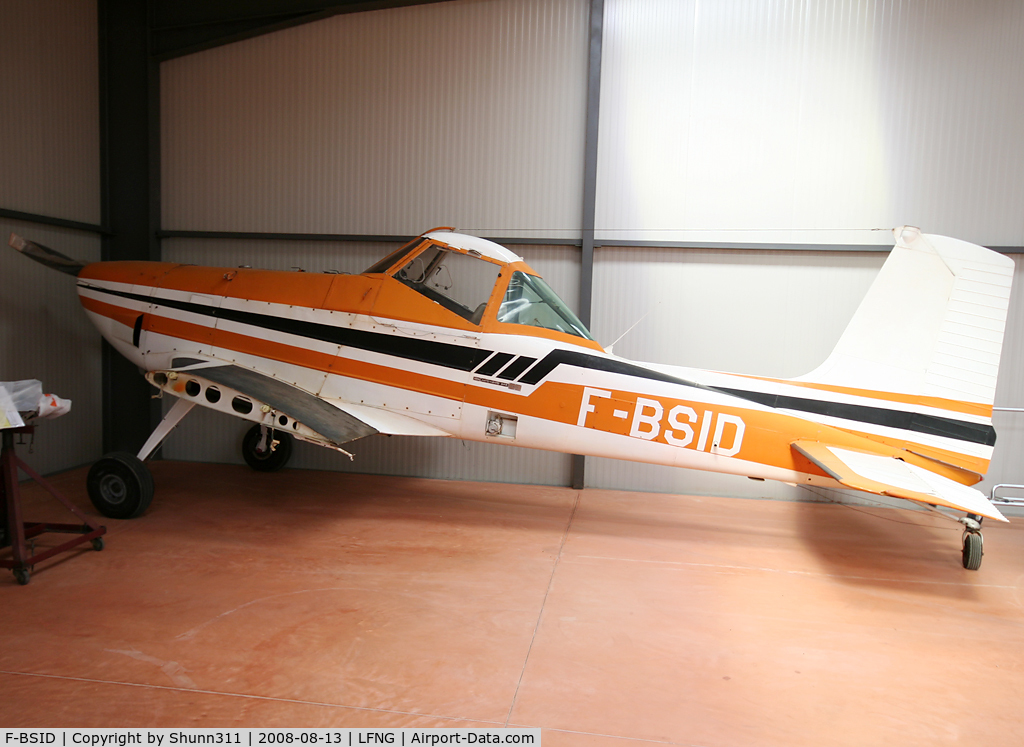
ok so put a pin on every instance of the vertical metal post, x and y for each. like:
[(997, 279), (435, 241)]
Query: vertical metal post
[(589, 191), (129, 194)]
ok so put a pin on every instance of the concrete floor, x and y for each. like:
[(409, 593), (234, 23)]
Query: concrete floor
[(325, 599)]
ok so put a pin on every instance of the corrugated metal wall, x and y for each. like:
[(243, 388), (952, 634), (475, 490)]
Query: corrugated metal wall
[(206, 436), (49, 165), (50, 127), (45, 335), (811, 122), (386, 122)]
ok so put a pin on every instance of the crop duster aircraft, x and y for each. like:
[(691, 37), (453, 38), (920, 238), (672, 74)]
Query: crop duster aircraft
[(453, 335)]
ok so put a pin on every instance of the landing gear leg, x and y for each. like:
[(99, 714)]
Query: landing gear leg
[(120, 485), (266, 449), (973, 543)]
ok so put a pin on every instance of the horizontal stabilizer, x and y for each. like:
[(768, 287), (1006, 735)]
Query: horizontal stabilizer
[(885, 475), (46, 256)]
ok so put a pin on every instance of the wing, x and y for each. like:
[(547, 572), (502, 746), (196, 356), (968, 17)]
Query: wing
[(337, 421), (885, 475)]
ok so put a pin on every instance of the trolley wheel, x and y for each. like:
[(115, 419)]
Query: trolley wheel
[(972, 551), (272, 459), (97, 544), (22, 576), (120, 486)]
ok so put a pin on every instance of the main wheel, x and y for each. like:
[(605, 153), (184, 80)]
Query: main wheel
[(972, 551), (120, 486), (271, 458), (22, 576)]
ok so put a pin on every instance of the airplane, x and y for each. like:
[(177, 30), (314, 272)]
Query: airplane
[(453, 335)]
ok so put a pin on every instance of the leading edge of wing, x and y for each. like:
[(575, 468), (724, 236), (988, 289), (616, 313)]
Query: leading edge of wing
[(886, 475)]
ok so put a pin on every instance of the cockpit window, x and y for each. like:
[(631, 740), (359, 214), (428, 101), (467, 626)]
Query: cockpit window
[(529, 300), (458, 282), (390, 260)]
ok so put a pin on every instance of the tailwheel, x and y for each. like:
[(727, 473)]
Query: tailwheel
[(266, 449), (973, 550), (120, 486)]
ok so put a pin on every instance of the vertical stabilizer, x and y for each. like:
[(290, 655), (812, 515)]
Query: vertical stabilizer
[(931, 324)]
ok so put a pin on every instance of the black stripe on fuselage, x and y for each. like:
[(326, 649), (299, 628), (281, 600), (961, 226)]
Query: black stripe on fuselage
[(466, 359), (934, 425), (425, 351), (516, 367), (493, 365)]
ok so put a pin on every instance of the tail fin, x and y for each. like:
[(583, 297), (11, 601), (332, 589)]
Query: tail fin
[(931, 324), (46, 256)]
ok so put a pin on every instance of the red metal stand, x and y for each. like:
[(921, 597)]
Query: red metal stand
[(19, 532)]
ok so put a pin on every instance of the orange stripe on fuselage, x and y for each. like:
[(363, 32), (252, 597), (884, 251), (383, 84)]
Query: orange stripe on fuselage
[(119, 314)]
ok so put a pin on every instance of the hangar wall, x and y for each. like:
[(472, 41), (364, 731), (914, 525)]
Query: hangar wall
[(811, 122), (50, 166), (807, 123), (50, 128), (384, 122)]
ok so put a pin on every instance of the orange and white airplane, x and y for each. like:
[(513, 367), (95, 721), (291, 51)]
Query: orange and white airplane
[(453, 335)]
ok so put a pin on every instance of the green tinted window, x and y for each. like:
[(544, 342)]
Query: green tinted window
[(529, 300)]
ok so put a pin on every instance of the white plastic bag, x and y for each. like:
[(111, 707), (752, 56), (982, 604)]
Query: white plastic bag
[(25, 393), (9, 417), (52, 406), (27, 397)]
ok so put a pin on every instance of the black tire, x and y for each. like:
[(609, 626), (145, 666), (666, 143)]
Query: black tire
[(120, 486), (272, 460), (972, 551), (97, 544), (22, 576)]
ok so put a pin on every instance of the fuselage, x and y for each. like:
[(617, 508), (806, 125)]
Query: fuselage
[(379, 344)]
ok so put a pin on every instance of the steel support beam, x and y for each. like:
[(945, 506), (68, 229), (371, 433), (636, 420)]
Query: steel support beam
[(589, 190), (188, 26), (129, 195)]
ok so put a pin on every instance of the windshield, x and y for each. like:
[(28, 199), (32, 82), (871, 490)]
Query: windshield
[(529, 300)]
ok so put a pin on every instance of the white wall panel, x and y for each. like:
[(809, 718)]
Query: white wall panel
[(467, 113), (49, 96), (811, 122), (45, 335), (745, 311), (207, 436)]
